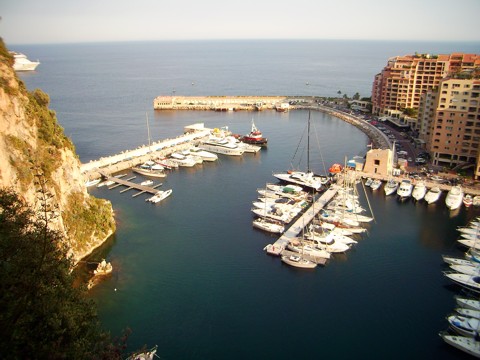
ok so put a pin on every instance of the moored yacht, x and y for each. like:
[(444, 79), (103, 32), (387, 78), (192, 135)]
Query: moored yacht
[(302, 178), (433, 195), (390, 187), (454, 197), (419, 191), (405, 189), (222, 146)]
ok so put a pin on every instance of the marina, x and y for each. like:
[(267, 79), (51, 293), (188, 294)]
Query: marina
[(190, 276)]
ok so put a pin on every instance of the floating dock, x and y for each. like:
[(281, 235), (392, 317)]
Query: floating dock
[(279, 247), (130, 185)]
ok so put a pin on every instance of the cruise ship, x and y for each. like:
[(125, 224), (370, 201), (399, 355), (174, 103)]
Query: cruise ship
[(22, 63)]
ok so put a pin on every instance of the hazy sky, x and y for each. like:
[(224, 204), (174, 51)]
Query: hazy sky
[(64, 21)]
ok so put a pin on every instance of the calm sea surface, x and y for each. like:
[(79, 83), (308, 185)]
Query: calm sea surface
[(189, 273)]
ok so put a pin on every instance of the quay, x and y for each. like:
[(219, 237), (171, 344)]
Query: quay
[(279, 247), (228, 103), (129, 184), (193, 134)]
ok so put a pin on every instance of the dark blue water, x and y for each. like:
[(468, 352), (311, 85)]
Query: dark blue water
[(189, 273)]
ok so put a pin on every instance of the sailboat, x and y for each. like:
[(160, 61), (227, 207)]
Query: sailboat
[(150, 168), (308, 178)]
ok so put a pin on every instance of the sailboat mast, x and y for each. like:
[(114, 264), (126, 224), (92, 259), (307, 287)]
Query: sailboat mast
[(148, 131), (308, 143)]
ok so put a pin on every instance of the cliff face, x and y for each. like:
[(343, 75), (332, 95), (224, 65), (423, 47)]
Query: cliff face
[(37, 158)]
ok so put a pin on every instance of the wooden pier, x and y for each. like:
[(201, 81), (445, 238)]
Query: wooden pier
[(279, 247), (130, 185)]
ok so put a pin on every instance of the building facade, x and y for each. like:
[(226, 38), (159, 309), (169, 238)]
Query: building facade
[(398, 88), (450, 122)]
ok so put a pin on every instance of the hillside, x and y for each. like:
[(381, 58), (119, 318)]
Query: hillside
[(37, 159)]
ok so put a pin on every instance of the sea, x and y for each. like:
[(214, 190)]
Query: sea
[(190, 274)]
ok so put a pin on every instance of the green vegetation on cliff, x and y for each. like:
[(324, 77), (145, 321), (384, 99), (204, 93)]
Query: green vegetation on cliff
[(43, 316)]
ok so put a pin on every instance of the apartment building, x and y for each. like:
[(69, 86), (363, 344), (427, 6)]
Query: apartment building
[(405, 78), (449, 121)]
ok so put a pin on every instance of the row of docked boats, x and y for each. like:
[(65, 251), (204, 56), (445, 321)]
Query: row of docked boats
[(405, 189), (464, 323)]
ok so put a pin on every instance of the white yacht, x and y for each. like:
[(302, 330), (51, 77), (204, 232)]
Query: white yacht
[(433, 195), (183, 160), (269, 225), (159, 196), (222, 146), (405, 189), (419, 191), (390, 187), (301, 178), (22, 63), (454, 198), (465, 343), (205, 155), (375, 185)]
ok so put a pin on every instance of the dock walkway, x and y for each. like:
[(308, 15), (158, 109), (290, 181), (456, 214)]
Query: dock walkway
[(130, 184), (279, 247)]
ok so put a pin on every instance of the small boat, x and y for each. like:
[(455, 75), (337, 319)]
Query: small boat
[(454, 198), (272, 226), (152, 171), (369, 182), (467, 281), (147, 183), (419, 191), (468, 312), (390, 187), (93, 182), (464, 343), (468, 200), (468, 303), (375, 185), (476, 200), (144, 355), (405, 189), (298, 261), (433, 195), (465, 326), (103, 268), (159, 196)]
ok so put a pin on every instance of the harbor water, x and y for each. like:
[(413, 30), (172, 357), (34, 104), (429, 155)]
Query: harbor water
[(189, 273)]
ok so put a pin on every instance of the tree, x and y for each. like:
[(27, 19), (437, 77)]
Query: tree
[(43, 316), (356, 96)]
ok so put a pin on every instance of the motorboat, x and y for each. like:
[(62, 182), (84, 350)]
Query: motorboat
[(468, 312), (468, 303), (468, 281), (205, 155), (144, 355), (92, 182), (147, 183), (454, 197), (375, 185), (307, 179), (390, 187), (456, 261), (221, 146), (269, 225), (405, 189), (433, 195), (465, 326), (467, 200), (466, 269), (368, 182), (464, 343), (149, 171), (183, 160), (298, 261), (21, 62), (470, 243), (159, 196), (419, 191)]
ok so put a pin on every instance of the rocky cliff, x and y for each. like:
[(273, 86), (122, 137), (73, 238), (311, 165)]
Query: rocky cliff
[(39, 162)]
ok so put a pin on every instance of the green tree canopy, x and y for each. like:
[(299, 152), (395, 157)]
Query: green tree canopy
[(42, 315)]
